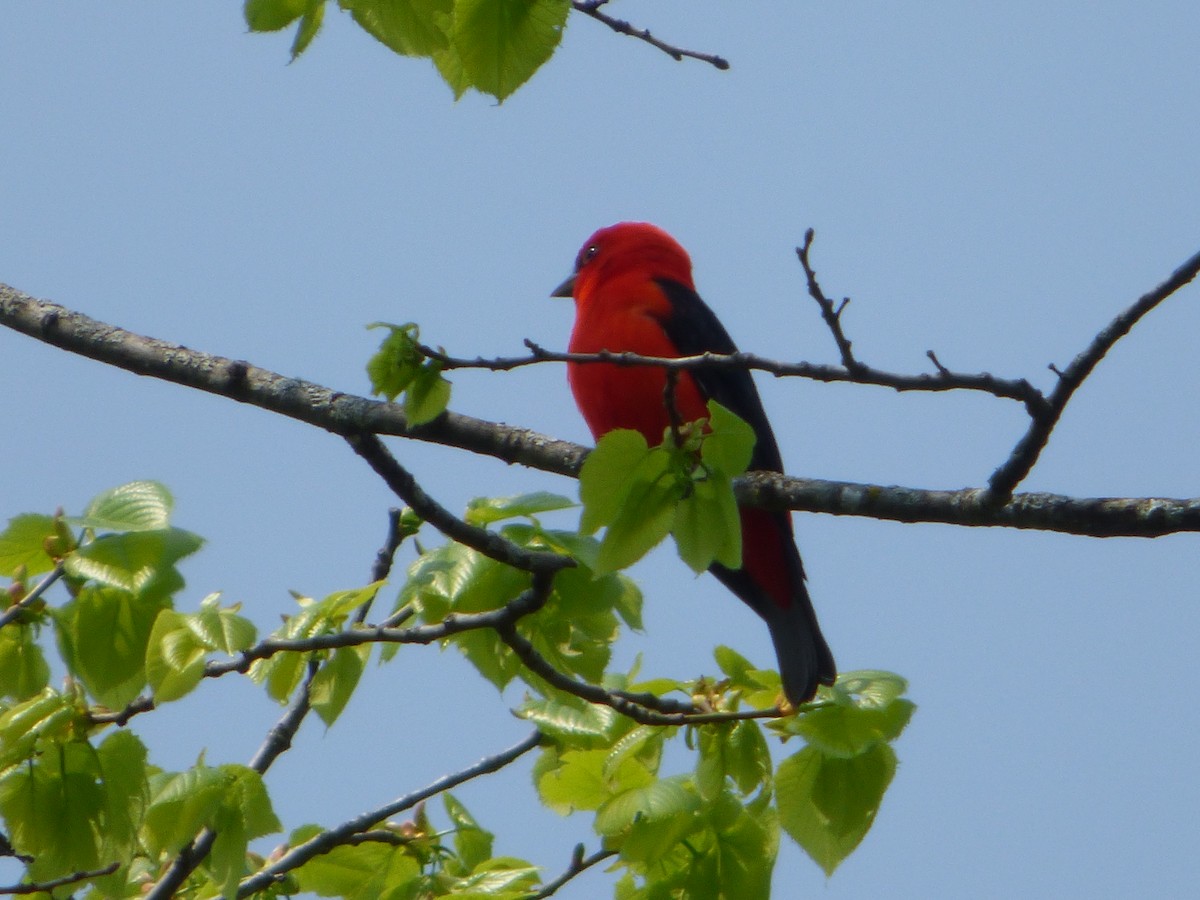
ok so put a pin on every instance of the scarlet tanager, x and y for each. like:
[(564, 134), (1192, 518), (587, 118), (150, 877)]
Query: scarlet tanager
[(633, 291)]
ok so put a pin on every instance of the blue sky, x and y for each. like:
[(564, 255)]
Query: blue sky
[(993, 182)]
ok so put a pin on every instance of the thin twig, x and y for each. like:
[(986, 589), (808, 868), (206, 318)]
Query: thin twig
[(32, 597), (278, 740), (832, 317), (592, 8), (943, 380), (383, 561), (48, 886), (1025, 455), (579, 863), (335, 837)]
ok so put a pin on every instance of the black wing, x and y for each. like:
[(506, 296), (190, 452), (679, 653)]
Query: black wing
[(695, 329)]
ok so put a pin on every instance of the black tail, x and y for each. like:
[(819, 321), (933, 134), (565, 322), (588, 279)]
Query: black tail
[(804, 658)]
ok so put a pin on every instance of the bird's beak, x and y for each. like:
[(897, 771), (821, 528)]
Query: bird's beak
[(566, 289)]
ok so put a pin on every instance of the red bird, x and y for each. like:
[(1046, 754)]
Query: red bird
[(633, 292)]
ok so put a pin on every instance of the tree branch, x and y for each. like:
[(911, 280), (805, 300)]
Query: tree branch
[(345, 414), (1018, 465), (400, 480), (335, 837), (592, 8)]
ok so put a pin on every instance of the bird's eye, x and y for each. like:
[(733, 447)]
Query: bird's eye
[(586, 254)]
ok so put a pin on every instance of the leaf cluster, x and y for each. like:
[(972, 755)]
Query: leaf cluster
[(86, 804), (492, 46)]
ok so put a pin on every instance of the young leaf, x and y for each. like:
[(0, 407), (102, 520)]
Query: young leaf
[(23, 668), (137, 506), (867, 709), (606, 475), (336, 680), (645, 822), (396, 362), (174, 657), (310, 24), (472, 844), (581, 779), (707, 527), (501, 43), (428, 395), (114, 669), (23, 544), (122, 761), (573, 723), (272, 15), (485, 510), (54, 806), (729, 442), (411, 28), (645, 517), (827, 804), (140, 562)]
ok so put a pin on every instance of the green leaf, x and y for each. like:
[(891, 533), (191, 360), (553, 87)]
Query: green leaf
[(222, 629), (485, 510), (23, 668), (46, 718), (410, 28), (181, 804), (428, 395), (450, 67), (645, 822), (140, 562), (113, 669), (644, 744), (582, 779), (728, 443), (310, 24), (645, 517), (850, 730), (501, 878), (866, 710), (336, 680), (732, 663), (175, 657), (229, 799), (572, 722), (54, 808), (272, 15), (122, 762), (707, 526), (399, 366), (366, 871), (137, 506), (736, 751), (396, 362), (501, 43), (738, 853), (827, 804), (23, 543), (283, 671), (472, 844), (606, 475), (244, 814)]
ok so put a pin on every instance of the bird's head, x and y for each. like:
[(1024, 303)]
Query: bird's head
[(627, 249)]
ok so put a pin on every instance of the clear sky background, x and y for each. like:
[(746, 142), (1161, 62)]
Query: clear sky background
[(990, 181)]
